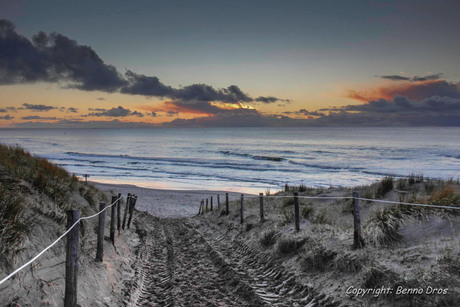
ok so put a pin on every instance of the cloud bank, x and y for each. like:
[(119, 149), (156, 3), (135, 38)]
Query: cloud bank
[(59, 59)]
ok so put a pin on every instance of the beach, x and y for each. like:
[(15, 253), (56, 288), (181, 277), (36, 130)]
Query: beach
[(173, 253), (168, 203)]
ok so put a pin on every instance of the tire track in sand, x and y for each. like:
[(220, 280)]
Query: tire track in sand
[(177, 267)]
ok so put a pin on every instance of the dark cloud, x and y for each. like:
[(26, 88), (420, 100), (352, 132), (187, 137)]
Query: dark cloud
[(207, 108), (3, 110), (270, 99), (399, 111), (116, 112), (304, 112), (172, 113), (144, 85), (11, 108), (423, 90), (53, 58), (413, 79), (151, 86), (72, 110), (57, 58), (412, 90), (100, 98), (401, 105), (153, 114), (64, 123), (426, 78), (38, 117), (138, 114), (7, 116), (395, 78), (37, 107), (97, 109)]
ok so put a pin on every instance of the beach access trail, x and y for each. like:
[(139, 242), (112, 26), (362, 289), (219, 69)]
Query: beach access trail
[(186, 262)]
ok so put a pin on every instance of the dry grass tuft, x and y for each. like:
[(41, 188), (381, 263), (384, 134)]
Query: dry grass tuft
[(308, 211), (383, 227), (318, 258), (386, 185), (269, 238), (13, 226), (288, 246), (446, 196), (350, 262)]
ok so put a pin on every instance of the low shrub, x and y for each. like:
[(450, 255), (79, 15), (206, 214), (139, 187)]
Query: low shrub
[(446, 196), (289, 245), (287, 216), (321, 217), (385, 186), (269, 238), (308, 211), (383, 226), (350, 262), (318, 258), (287, 202)]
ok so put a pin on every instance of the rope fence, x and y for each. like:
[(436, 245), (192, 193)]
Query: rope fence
[(365, 199), (358, 240), (72, 242)]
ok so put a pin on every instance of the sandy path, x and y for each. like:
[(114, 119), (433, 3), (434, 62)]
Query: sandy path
[(176, 267), (188, 262)]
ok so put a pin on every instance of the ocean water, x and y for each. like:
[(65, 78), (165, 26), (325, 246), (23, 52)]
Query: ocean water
[(245, 159)]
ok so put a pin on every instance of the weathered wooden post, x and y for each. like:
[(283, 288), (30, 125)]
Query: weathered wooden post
[(128, 200), (296, 211), (202, 206), (113, 217), (218, 202), (358, 241), (71, 260), (242, 209), (119, 212), (207, 204), (100, 233), (132, 205), (211, 203), (261, 202), (199, 209), (226, 204)]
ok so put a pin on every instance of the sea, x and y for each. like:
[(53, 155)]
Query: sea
[(249, 160)]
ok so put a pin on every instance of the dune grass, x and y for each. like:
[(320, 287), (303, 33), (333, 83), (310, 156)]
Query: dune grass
[(45, 176), (18, 168), (13, 226)]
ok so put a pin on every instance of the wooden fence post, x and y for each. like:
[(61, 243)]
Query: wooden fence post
[(226, 204), (202, 206), (119, 212), (218, 202), (100, 233), (242, 209), (71, 260), (358, 241), (211, 203), (261, 201), (199, 209), (131, 209), (113, 217), (207, 204), (128, 200), (296, 211)]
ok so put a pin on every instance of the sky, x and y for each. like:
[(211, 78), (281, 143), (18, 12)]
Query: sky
[(144, 63)]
